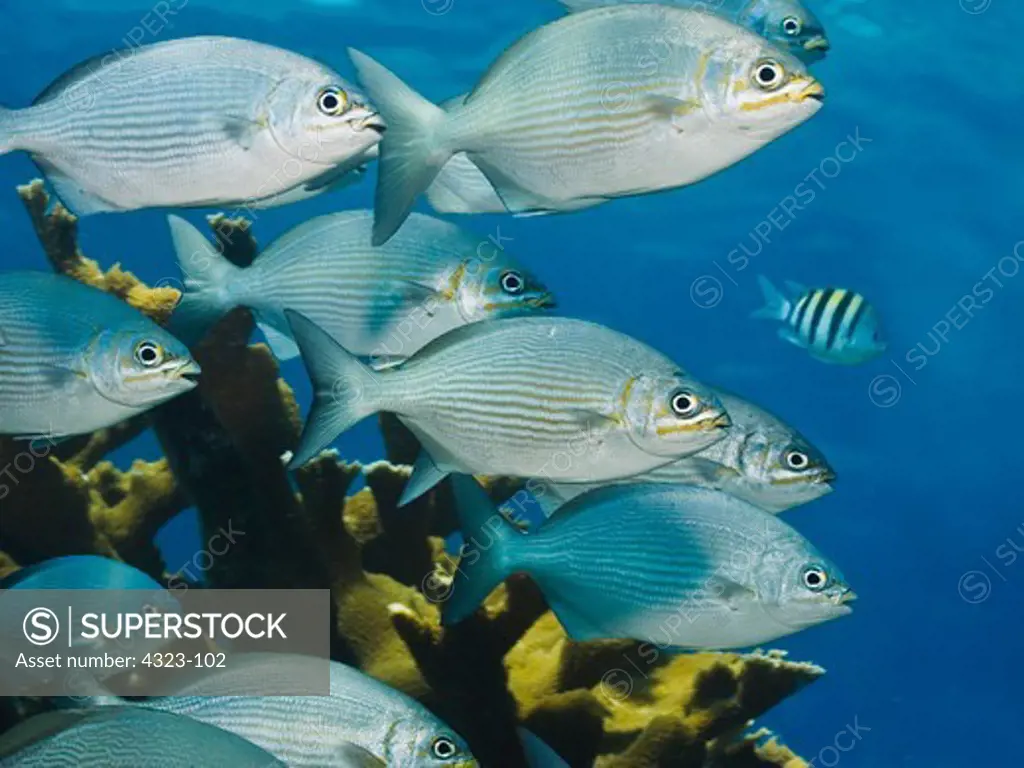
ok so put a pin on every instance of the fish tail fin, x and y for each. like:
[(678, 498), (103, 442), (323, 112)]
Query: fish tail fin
[(207, 278), (411, 155), (776, 306), (8, 136), (344, 390), (487, 554)]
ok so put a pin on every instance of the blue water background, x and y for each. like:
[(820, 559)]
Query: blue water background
[(927, 501)]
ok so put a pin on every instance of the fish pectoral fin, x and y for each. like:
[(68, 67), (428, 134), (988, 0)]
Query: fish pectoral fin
[(671, 108), (415, 293), (243, 130), (356, 756), (79, 201), (595, 420), (706, 472), (730, 593)]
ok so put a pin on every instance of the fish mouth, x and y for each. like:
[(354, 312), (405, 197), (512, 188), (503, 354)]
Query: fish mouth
[(817, 43), (721, 421), (844, 597), (187, 371), (373, 122), (826, 476), (544, 301), (813, 90)]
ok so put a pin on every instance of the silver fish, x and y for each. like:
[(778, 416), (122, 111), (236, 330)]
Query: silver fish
[(461, 187), (201, 121), (360, 716), (673, 565), (522, 397), (123, 737), (381, 303), (834, 325), (607, 103), (761, 460), (789, 24), (74, 359)]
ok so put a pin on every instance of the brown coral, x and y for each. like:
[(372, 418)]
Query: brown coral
[(609, 704)]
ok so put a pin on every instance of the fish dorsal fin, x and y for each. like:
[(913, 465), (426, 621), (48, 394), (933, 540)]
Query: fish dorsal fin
[(795, 288), (79, 72), (484, 83)]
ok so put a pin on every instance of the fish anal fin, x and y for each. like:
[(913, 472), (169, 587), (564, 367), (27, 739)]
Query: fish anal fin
[(425, 475), (282, 345), (577, 627), (79, 201), (515, 199), (788, 334)]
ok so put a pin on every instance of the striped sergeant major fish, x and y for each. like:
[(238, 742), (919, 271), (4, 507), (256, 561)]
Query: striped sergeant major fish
[(833, 324)]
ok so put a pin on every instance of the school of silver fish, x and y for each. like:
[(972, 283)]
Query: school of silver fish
[(660, 493)]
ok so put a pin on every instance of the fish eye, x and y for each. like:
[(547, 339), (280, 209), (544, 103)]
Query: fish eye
[(684, 404), (815, 578), (149, 354), (768, 74), (797, 460), (444, 748), (332, 101), (791, 26), (512, 282)]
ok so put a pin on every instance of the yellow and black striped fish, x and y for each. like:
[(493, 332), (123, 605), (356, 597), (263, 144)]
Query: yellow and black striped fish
[(834, 325)]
